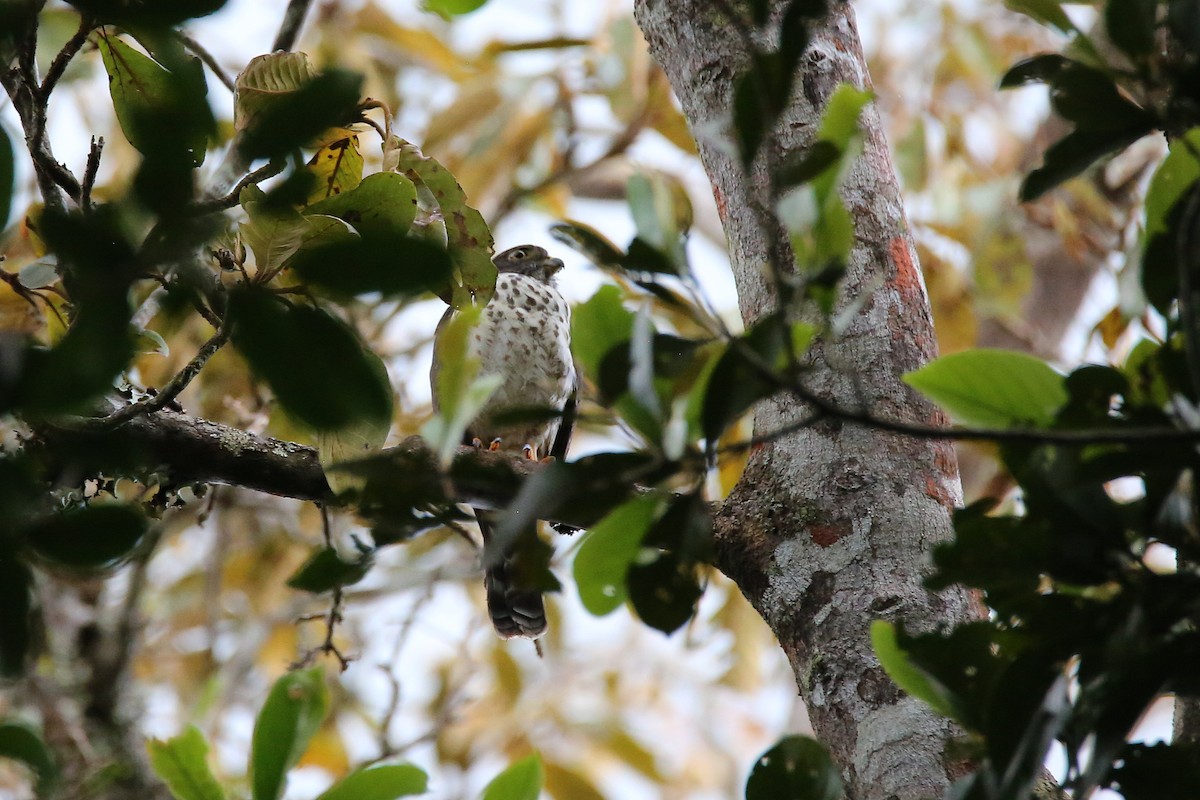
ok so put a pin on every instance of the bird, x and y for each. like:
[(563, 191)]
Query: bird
[(524, 336)]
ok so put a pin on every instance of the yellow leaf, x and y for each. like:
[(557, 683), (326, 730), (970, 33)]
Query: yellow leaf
[(420, 45), (567, 784), (338, 167), (327, 751)]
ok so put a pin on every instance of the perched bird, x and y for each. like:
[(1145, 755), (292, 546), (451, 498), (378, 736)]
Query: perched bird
[(524, 335)]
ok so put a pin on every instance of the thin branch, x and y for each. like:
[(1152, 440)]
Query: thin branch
[(289, 28), (59, 65), (172, 390), (89, 173), (269, 170), (209, 60)]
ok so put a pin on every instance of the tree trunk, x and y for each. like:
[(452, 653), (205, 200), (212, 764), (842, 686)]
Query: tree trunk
[(831, 527)]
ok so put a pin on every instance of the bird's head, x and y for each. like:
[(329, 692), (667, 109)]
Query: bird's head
[(528, 260)]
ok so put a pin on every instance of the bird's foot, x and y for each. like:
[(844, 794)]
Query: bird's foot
[(477, 443), (530, 452), (495, 445)]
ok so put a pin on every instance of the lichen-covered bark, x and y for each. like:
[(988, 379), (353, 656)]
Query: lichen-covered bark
[(831, 527)]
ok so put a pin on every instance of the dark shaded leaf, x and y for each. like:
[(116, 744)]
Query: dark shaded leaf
[(663, 591), (295, 118), (1157, 772), (155, 13), (796, 768), (808, 164), (587, 240), (685, 529), (325, 570), (313, 362), (1090, 99), (736, 383), (95, 537), (16, 586), (21, 743), (1130, 24), (1074, 153), (1041, 69), (294, 710), (391, 264), (644, 257)]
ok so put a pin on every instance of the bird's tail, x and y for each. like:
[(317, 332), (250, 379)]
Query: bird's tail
[(515, 606)]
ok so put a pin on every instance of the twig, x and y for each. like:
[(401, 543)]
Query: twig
[(209, 60), (269, 170), (89, 174), (59, 65), (173, 389), (289, 28)]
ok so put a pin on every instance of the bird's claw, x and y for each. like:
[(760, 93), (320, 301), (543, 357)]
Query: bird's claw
[(477, 443), (530, 452), (495, 445)]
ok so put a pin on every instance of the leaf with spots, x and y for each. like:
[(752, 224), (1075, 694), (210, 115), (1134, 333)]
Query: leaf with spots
[(337, 167), (467, 234), (383, 203)]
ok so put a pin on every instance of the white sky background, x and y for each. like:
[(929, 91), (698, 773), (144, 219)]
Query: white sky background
[(243, 29)]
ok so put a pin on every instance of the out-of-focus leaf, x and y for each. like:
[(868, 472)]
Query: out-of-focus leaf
[(294, 710), (997, 388), (337, 167), (568, 784), (357, 440), (459, 391), (663, 591), (608, 550), (796, 768), (452, 8), (6, 177), (39, 274), (1042, 68), (182, 763), (391, 264), (152, 103), (1130, 24), (88, 538), (384, 203), (1048, 12), (1074, 153), (467, 234), (273, 234), (16, 586), (907, 675), (383, 782), (587, 240), (663, 214), (325, 570), (134, 13), (736, 383), (1090, 99), (280, 104), (1177, 172), (19, 742), (314, 363), (521, 781), (597, 326)]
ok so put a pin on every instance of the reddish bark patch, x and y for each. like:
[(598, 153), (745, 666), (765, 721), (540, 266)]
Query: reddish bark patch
[(944, 457), (935, 489), (826, 535), (908, 280), (720, 198)]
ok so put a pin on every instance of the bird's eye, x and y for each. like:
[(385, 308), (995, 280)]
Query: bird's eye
[(519, 254)]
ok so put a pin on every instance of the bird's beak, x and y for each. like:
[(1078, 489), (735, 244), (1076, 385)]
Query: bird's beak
[(554, 265)]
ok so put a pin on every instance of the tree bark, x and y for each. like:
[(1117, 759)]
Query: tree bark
[(831, 527)]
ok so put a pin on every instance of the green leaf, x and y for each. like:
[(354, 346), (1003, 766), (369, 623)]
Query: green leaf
[(266, 81), (992, 388), (394, 265), (325, 570), (314, 362), (796, 768), (1047, 12), (1174, 176), (95, 537), (357, 440), (6, 177), (153, 104), (907, 675), (182, 763), (147, 12), (453, 8), (1073, 154), (597, 326), (1090, 99), (19, 742), (663, 213), (384, 782), (521, 781), (16, 584), (467, 235), (839, 122), (293, 712), (274, 234), (589, 241), (383, 203), (459, 391), (607, 551), (735, 383)]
